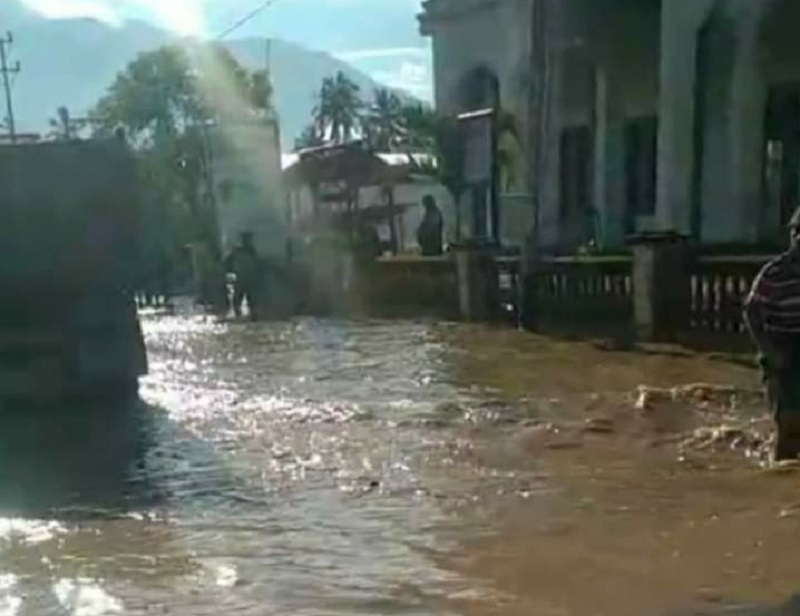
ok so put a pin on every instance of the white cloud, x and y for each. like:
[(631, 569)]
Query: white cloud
[(413, 77), (62, 9), (386, 52), (185, 17)]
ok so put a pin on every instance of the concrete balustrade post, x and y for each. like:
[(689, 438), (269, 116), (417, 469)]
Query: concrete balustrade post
[(662, 287), (478, 283)]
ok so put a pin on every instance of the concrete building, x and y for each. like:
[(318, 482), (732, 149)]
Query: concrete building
[(249, 196), (408, 195), (679, 115)]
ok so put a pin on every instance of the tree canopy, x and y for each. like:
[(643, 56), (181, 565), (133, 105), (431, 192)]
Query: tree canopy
[(383, 124), (338, 111), (165, 100), (163, 92)]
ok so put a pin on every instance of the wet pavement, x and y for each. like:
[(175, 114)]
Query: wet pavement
[(332, 467)]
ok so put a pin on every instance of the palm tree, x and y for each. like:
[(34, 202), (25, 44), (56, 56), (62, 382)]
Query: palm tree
[(64, 126), (338, 111), (309, 138), (383, 124)]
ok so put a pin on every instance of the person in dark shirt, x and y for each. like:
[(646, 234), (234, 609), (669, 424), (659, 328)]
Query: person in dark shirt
[(772, 314), (243, 262), (429, 233)]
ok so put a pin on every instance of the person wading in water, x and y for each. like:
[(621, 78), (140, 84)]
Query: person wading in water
[(244, 263), (772, 314)]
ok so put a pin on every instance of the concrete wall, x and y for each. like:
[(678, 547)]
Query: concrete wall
[(493, 36), (407, 287), (614, 60), (605, 56), (724, 40), (485, 34), (680, 22), (717, 48), (615, 41)]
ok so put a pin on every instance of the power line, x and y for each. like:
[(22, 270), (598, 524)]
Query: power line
[(7, 71), (246, 19)]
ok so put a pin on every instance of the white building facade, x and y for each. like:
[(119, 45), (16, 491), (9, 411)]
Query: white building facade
[(249, 195), (679, 115)]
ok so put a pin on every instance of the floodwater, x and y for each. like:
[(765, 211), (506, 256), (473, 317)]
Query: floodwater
[(324, 467)]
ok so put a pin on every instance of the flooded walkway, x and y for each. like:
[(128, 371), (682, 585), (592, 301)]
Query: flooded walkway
[(322, 467)]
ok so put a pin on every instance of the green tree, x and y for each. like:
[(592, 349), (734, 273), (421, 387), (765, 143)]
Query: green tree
[(165, 100), (383, 122), (438, 138), (338, 111), (163, 92)]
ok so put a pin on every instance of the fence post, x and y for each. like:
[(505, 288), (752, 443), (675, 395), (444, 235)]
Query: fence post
[(478, 282), (662, 285)]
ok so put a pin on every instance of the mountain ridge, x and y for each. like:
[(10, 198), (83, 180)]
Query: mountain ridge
[(91, 53)]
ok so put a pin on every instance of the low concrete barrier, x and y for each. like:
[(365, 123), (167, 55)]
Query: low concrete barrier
[(406, 286)]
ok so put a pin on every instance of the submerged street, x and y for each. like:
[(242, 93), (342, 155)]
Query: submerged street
[(332, 467)]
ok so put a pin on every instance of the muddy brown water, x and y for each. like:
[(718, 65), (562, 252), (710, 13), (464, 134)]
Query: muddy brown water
[(324, 467)]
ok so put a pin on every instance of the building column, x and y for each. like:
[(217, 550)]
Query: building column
[(609, 161), (748, 100), (680, 21), (550, 232)]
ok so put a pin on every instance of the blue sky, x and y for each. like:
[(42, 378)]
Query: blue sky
[(378, 36)]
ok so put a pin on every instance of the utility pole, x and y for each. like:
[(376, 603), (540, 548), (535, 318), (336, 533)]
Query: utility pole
[(7, 71)]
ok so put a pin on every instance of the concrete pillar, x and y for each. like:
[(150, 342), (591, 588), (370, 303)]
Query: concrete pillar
[(609, 161), (748, 101), (680, 21), (478, 283), (544, 118), (550, 189), (662, 292)]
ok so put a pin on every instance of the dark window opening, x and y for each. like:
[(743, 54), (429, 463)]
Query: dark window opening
[(782, 136), (641, 144), (575, 172)]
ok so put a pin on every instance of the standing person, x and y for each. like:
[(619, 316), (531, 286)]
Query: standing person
[(243, 262), (429, 233), (772, 313)]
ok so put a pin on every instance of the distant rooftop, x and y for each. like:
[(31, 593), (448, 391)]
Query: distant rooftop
[(393, 159), (21, 138)]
